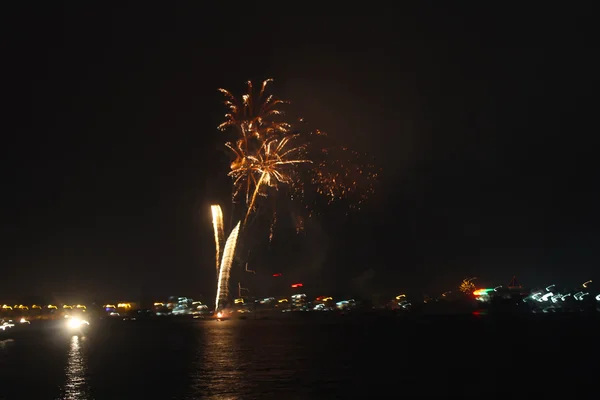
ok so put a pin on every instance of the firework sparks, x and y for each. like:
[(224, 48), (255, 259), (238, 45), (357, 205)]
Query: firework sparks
[(225, 270), (272, 164), (268, 156), (467, 286), (337, 174), (264, 156), (254, 116), (299, 223), (342, 174), (217, 218), (272, 226)]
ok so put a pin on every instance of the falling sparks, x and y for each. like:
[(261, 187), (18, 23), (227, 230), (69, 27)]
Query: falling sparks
[(272, 226), (225, 269), (217, 218), (338, 174), (299, 222)]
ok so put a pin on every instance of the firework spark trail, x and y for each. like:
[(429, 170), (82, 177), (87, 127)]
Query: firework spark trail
[(256, 189), (224, 271), (261, 138), (272, 226), (271, 155), (273, 164), (217, 218), (261, 135)]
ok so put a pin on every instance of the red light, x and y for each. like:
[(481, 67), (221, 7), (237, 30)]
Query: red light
[(277, 274), (479, 292), (295, 285)]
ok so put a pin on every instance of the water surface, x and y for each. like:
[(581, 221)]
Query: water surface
[(302, 359)]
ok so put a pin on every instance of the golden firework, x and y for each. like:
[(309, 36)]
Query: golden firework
[(337, 174), (217, 217), (255, 116), (344, 175), (267, 155), (467, 286), (225, 269), (273, 164)]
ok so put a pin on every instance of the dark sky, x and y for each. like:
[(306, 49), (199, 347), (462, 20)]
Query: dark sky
[(482, 119)]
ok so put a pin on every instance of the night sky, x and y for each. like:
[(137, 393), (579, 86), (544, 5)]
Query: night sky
[(483, 121)]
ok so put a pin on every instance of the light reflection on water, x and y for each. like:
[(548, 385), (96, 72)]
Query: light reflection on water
[(76, 387), (245, 360), (217, 372), (275, 359), (4, 345)]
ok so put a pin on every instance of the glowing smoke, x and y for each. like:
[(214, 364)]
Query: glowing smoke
[(224, 271), (217, 217)]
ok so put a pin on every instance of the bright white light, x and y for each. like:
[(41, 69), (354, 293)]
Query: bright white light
[(556, 298), (580, 295), (219, 315), (23, 321), (75, 323), (6, 325), (225, 269), (546, 296)]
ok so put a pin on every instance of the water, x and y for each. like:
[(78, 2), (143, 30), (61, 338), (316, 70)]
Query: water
[(303, 359)]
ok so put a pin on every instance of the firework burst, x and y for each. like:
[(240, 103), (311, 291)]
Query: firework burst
[(254, 115), (272, 165), (467, 286), (271, 156), (270, 153), (337, 175)]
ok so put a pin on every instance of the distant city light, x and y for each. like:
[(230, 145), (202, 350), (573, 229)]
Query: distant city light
[(297, 285), (278, 274)]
